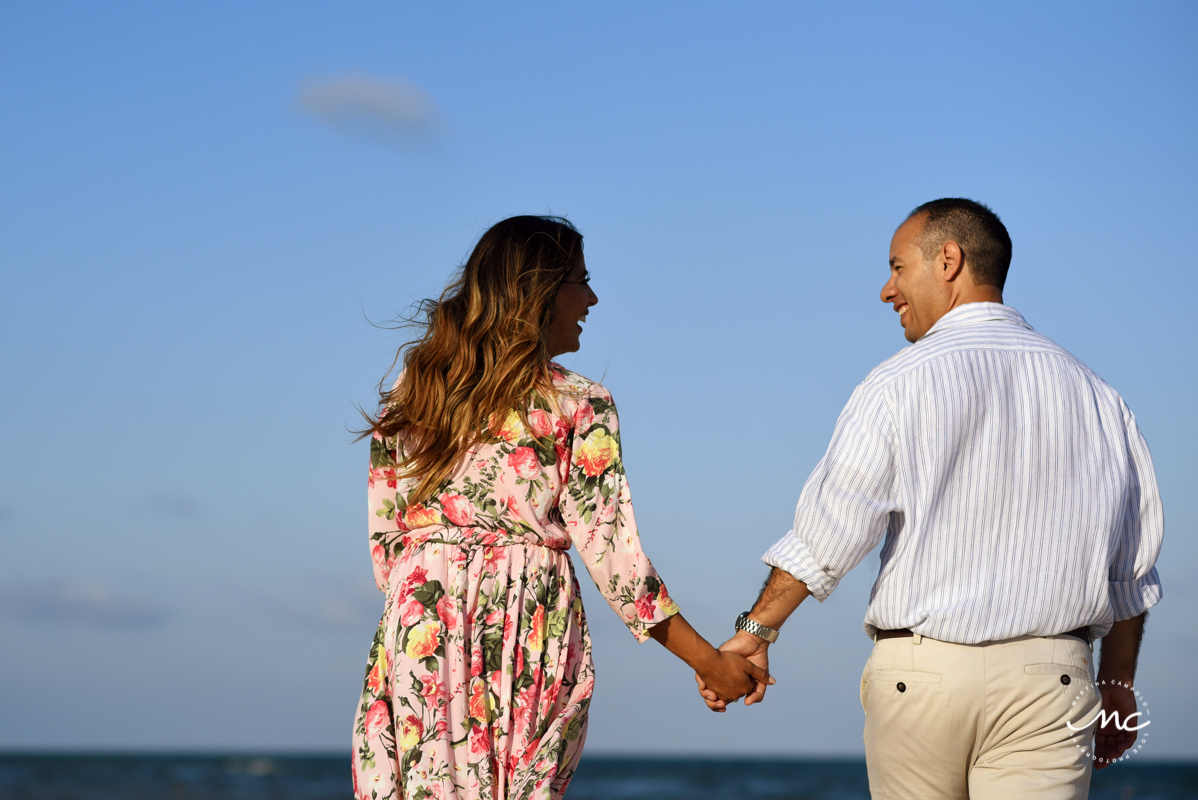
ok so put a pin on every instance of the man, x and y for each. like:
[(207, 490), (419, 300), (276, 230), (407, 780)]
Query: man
[(1020, 519)]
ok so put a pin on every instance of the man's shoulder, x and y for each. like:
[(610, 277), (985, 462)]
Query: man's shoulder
[(957, 347)]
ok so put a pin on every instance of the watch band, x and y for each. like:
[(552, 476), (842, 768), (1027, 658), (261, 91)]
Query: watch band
[(743, 623)]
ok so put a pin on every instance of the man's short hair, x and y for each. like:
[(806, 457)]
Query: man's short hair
[(983, 239)]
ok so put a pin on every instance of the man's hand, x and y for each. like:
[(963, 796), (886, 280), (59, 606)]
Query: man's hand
[(780, 596), (757, 652), (1120, 651), (1110, 741)]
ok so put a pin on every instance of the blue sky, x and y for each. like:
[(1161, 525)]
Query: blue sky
[(193, 244)]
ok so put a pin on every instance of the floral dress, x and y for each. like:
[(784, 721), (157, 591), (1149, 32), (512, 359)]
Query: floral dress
[(480, 674)]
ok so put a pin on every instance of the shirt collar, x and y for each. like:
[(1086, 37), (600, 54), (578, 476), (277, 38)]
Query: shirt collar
[(972, 313)]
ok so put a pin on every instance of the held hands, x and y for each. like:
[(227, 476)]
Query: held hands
[(748, 649), (727, 676)]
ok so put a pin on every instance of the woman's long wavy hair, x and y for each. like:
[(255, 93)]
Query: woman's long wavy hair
[(484, 350)]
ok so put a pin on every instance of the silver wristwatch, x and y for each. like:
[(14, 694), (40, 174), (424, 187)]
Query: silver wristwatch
[(743, 623)]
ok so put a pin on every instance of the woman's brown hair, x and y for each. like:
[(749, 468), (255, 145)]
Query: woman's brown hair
[(484, 350)]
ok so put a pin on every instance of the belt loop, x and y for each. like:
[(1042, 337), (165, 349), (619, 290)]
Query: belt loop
[(916, 638)]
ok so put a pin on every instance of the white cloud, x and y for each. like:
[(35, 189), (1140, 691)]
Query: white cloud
[(81, 603), (391, 107)]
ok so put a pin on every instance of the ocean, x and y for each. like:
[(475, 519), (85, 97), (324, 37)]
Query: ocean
[(326, 777)]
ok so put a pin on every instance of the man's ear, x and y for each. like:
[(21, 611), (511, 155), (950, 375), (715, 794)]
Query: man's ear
[(951, 261)]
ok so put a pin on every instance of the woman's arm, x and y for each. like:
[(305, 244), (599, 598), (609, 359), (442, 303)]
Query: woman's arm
[(597, 509), (596, 506)]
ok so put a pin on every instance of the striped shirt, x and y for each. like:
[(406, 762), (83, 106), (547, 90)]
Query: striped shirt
[(1012, 491)]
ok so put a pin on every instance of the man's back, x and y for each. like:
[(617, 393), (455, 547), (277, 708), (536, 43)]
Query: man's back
[(1002, 472)]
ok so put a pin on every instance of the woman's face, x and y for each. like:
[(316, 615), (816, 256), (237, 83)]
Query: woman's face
[(574, 298)]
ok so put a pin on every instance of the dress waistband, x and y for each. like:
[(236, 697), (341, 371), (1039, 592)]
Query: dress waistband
[(480, 537)]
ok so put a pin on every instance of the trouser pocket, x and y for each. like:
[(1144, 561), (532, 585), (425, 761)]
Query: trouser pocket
[(866, 675)]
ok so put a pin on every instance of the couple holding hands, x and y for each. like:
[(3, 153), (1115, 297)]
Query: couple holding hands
[(1011, 489)]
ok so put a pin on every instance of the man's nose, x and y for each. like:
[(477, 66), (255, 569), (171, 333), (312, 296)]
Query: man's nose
[(888, 291)]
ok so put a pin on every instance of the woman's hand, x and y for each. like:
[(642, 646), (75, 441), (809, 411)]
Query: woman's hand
[(729, 676)]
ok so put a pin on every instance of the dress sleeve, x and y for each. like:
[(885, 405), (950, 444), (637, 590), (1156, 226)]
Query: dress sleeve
[(846, 505), (385, 502), (385, 493), (597, 509), (1135, 585)]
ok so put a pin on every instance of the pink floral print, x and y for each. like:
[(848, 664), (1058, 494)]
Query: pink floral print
[(480, 674)]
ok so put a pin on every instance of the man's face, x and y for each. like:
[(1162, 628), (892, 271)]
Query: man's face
[(914, 289)]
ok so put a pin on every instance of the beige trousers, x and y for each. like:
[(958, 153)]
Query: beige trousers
[(979, 721)]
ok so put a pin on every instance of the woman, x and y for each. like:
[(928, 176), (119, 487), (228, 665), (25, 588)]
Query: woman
[(488, 461)]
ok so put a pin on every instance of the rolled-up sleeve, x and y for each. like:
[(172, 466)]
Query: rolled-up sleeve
[(845, 506), (1135, 585)]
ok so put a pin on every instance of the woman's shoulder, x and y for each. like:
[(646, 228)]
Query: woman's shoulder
[(572, 386)]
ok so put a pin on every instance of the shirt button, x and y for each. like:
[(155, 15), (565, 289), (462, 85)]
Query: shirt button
[(1065, 680), (902, 687)]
